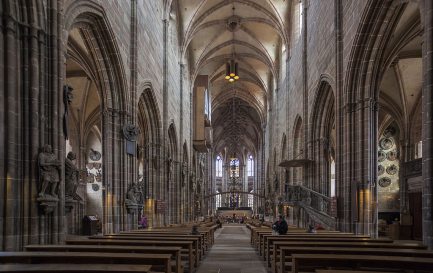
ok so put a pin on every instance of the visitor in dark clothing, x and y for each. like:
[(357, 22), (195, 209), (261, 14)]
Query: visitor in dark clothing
[(280, 226)]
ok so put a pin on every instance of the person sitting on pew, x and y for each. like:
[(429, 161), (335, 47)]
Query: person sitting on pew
[(194, 230), (280, 226), (218, 222), (311, 229)]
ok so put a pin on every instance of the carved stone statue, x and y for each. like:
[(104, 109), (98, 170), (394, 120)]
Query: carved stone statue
[(131, 132), (67, 99), (134, 199), (276, 182), (192, 181), (71, 176), (133, 194), (201, 165), (169, 168), (184, 173), (199, 185), (49, 171)]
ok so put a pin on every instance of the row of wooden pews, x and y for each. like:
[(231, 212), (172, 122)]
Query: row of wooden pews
[(167, 250), (299, 251)]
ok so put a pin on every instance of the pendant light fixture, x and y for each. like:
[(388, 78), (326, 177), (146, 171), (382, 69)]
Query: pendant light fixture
[(232, 74)]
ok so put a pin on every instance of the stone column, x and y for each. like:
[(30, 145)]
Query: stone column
[(163, 189), (427, 119)]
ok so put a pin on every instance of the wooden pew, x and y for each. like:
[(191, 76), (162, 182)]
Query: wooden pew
[(349, 271), (86, 258), (195, 248), (186, 245), (302, 262), (205, 235), (268, 239), (207, 232), (74, 268), (292, 231), (173, 251), (311, 245), (287, 252), (267, 252), (201, 242)]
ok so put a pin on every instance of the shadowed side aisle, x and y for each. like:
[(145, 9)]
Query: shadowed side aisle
[(232, 253)]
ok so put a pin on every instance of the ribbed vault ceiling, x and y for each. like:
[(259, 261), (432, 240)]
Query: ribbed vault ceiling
[(250, 31)]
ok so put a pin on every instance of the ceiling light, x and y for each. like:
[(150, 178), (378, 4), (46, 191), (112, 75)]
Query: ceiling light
[(232, 71)]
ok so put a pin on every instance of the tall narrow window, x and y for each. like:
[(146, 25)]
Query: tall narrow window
[(234, 167), (418, 150), (332, 177), (250, 166), (219, 167), (218, 200), (250, 200)]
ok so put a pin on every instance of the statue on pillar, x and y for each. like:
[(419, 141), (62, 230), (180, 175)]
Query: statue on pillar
[(134, 199), (169, 168), (71, 177), (49, 171), (192, 182), (67, 99), (276, 182), (184, 173)]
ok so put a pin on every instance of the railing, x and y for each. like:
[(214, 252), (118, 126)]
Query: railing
[(318, 205)]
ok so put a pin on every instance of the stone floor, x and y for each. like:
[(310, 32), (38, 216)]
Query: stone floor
[(232, 253)]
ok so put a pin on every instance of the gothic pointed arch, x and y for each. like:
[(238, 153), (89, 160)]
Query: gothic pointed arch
[(323, 137), (91, 19)]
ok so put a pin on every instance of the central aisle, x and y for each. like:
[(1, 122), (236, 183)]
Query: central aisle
[(232, 253)]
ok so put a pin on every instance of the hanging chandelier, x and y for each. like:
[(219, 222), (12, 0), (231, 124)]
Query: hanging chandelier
[(232, 74)]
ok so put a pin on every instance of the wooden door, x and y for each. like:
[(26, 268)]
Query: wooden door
[(415, 203)]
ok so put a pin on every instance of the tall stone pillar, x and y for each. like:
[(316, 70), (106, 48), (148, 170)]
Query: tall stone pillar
[(427, 119)]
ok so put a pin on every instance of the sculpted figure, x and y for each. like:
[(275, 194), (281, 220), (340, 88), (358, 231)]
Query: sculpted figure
[(192, 181), (184, 173), (133, 194), (71, 175), (169, 168), (67, 99), (276, 183), (49, 170)]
